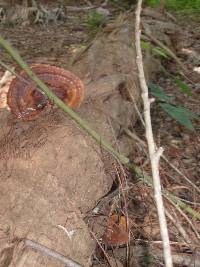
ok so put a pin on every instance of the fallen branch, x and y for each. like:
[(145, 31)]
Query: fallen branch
[(153, 152), (51, 253)]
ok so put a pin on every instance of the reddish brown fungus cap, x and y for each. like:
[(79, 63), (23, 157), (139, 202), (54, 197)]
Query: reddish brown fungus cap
[(26, 101)]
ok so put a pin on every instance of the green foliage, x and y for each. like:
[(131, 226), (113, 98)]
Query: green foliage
[(155, 50), (145, 45), (183, 87), (183, 6), (159, 93), (160, 52), (94, 22), (179, 113), (148, 260), (152, 3)]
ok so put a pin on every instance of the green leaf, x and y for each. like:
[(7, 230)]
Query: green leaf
[(152, 3), (181, 114), (159, 93), (145, 45), (190, 113), (184, 87), (160, 52)]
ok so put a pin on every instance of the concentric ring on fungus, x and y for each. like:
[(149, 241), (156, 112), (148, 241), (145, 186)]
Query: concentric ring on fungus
[(26, 101)]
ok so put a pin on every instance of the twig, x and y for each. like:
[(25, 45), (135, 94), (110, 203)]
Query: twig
[(180, 173), (178, 227), (169, 15), (180, 259), (134, 137), (189, 202), (103, 250), (159, 43), (153, 152), (105, 200), (183, 214), (51, 253), (136, 107), (123, 188), (69, 233)]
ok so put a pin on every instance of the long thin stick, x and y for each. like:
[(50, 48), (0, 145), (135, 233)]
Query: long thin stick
[(153, 152), (51, 253)]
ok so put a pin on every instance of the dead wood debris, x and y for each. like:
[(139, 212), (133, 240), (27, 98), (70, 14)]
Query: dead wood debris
[(51, 253)]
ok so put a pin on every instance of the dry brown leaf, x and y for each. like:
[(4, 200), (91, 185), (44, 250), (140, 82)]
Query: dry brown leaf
[(117, 232)]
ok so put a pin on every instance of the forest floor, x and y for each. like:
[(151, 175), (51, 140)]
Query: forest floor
[(55, 44)]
